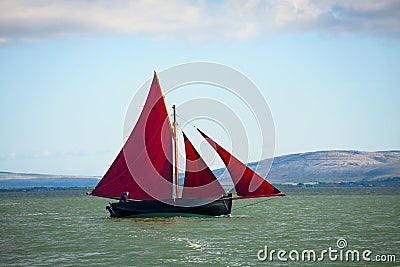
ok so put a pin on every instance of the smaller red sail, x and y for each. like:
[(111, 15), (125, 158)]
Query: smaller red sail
[(200, 182), (247, 183)]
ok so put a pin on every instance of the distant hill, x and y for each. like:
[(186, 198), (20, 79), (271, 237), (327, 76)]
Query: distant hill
[(337, 166), (321, 166), (10, 179)]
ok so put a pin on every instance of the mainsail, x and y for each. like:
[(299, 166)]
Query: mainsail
[(143, 167), (247, 183), (200, 182)]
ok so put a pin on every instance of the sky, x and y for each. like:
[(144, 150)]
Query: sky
[(69, 70)]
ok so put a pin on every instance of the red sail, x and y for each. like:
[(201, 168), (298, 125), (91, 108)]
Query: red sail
[(200, 182), (247, 183), (143, 167)]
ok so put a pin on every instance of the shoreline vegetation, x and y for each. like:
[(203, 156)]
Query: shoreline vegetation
[(289, 191), (54, 184), (388, 183)]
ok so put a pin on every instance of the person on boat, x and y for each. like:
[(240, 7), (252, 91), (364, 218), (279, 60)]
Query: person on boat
[(124, 197)]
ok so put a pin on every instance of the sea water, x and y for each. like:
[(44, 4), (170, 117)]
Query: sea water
[(68, 228)]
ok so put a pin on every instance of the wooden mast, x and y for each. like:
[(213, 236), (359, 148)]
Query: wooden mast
[(176, 156)]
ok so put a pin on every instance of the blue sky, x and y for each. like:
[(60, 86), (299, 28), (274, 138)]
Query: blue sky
[(69, 69)]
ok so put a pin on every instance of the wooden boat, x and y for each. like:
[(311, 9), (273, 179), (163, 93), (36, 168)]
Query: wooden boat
[(144, 168)]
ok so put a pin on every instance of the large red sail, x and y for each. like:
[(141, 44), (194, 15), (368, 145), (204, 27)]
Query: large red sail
[(143, 167), (200, 182), (247, 183)]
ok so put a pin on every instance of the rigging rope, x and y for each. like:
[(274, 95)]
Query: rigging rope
[(186, 121), (194, 126)]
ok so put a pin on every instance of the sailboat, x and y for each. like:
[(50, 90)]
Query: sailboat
[(144, 168)]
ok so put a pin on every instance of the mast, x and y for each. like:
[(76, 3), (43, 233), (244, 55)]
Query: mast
[(176, 155)]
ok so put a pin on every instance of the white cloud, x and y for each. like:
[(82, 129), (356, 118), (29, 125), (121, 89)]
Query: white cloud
[(11, 155), (46, 153), (194, 20)]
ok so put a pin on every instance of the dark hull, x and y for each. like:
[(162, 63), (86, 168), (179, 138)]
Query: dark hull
[(177, 207)]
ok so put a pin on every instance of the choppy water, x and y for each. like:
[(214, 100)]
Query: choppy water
[(67, 228)]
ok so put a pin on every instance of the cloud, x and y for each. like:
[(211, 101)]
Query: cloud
[(46, 153), (31, 155), (9, 156), (30, 20)]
